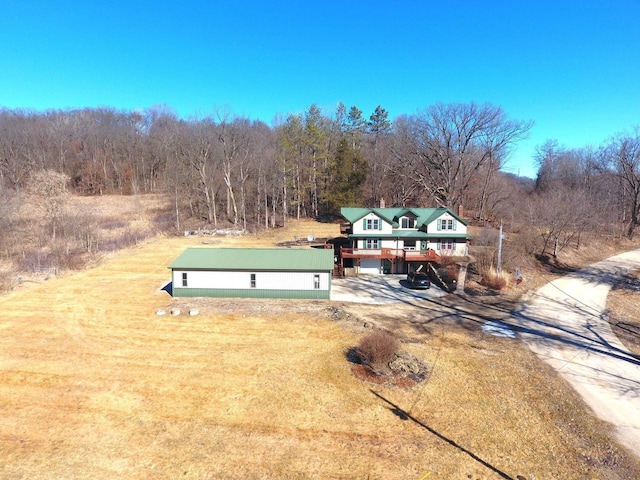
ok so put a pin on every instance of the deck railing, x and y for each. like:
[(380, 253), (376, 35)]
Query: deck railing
[(390, 253)]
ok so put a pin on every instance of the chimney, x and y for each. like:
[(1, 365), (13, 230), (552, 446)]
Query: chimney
[(460, 211), (381, 202)]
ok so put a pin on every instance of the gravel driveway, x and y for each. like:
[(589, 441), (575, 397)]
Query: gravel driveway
[(564, 324), (379, 289)]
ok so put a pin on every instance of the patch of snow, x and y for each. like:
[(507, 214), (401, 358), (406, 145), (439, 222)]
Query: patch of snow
[(498, 329)]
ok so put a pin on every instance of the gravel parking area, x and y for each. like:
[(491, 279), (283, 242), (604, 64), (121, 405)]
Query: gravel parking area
[(379, 289)]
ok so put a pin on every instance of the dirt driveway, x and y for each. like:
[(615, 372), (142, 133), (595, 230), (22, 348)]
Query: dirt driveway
[(564, 324), (379, 290)]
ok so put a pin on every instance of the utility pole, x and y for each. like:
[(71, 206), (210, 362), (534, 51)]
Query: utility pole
[(500, 238)]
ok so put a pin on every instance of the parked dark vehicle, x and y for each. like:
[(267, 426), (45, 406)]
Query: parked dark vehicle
[(418, 280)]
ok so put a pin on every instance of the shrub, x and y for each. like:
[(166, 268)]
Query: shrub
[(447, 260), (34, 260), (74, 260), (164, 222), (378, 349), (113, 224), (449, 274), (492, 279), (8, 281)]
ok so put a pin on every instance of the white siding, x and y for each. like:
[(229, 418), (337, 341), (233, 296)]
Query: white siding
[(242, 280), (433, 226), (358, 227), (392, 243), (382, 243), (460, 247)]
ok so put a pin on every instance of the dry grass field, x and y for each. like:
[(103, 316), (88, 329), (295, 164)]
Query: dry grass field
[(622, 306), (93, 384)]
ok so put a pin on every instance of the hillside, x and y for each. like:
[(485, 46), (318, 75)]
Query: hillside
[(96, 385)]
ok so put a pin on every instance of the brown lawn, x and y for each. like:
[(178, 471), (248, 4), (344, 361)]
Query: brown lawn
[(93, 384), (622, 309)]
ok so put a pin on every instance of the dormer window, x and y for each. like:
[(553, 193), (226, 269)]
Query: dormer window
[(407, 222)]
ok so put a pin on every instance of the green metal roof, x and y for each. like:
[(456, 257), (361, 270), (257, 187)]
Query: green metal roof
[(355, 214), (279, 259), (391, 215)]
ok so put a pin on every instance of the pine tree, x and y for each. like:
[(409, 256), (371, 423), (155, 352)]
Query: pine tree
[(348, 172)]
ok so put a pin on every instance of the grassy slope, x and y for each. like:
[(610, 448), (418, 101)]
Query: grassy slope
[(94, 385)]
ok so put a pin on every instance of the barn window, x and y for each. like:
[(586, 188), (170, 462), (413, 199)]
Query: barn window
[(316, 282), (184, 279), (253, 280)]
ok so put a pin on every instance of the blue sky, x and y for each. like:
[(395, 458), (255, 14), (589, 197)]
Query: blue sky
[(572, 67)]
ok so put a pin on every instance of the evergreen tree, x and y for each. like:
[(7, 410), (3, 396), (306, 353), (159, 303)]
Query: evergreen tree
[(317, 131), (379, 127), (355, 126), (379, 122), (348, 172)]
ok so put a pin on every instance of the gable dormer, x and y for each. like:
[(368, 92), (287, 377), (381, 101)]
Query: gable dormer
[(372, 224), (445, 222), (408, 221)]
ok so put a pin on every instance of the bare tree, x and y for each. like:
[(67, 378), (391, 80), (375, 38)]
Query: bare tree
[(560, 217), (450, 143), (195, 150), (233, 138), (622, 156), (17, 159), (290, 156), (48, 190)]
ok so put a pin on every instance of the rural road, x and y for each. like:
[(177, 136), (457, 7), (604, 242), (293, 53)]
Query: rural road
[(565, 325)]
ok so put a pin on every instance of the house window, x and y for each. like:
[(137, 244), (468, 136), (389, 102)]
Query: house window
[(253, 280), (446, 224), (372, 224), (184, 279), (372, 243), (407, 222), (410, 244), (316, 282), (447, 244)]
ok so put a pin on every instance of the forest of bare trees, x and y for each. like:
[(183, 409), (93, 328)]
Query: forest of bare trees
[(224, 170)]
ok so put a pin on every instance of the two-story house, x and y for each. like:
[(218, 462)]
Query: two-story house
[(399, 240)]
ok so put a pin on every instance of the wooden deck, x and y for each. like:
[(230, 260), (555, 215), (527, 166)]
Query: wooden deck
[(391, 254), (346, 228)]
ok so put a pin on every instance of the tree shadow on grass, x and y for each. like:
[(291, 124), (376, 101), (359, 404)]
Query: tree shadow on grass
[(552, 265), (542, 327), (404, 415)]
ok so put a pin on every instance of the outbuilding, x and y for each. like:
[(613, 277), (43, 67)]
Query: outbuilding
[(253, 273)]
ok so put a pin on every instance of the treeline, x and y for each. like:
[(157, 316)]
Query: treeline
[(230, 170)]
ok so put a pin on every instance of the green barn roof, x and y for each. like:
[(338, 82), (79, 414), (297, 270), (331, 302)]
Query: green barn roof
[(279, 259)]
